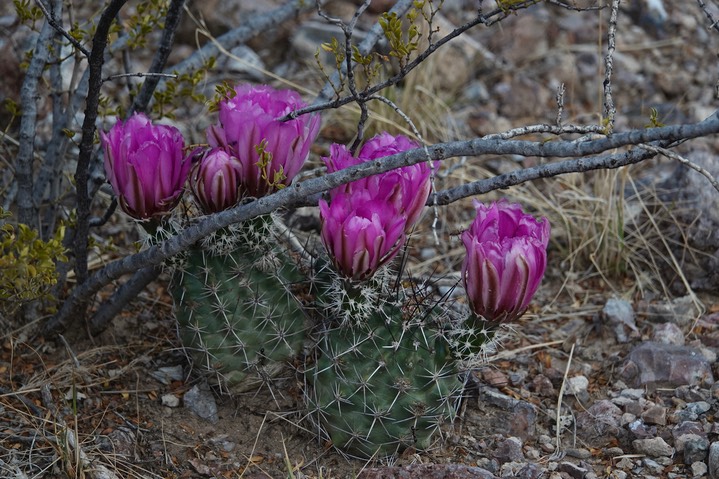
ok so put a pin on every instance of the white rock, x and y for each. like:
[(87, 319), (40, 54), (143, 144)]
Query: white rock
[(170, 400)]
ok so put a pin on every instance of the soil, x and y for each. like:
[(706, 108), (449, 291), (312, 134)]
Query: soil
[(131, 420)]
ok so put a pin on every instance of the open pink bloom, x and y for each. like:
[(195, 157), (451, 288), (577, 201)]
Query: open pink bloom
[(146, 165), (407, 187), (250, 118), (215, 180), (360, 233), (505, 262)]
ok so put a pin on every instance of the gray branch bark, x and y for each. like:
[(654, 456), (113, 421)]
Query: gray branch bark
[(298, 193), (29, 96)]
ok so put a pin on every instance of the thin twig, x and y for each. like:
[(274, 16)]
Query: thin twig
[(122, 297), (560, 398), (675, 156), (713, 24), (172, 21), (138, 75), (51, 19), (610, 110)]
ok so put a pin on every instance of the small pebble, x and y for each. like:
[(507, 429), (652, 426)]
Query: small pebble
[(668, 333), (655, 415), (653, 466), (572, 470), (653, 447), (699, 469), (695, 450), (170, 400), (579, 453), (713, 461)]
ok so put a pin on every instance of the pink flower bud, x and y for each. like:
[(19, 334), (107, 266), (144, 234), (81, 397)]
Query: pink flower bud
[(249, 120), (146, 165), (360, 233), (215, 180), (505, 262), (407, 187)]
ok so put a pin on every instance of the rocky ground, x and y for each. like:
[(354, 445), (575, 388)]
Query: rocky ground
[(611, 374)]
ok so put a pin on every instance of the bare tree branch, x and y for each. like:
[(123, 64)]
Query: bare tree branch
[(172, 20), (29, 96), (122, 297), (298, 193), (95, 62), (610, 110), (51, 17)]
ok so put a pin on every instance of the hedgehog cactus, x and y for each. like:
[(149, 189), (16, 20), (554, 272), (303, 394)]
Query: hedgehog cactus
[(383, 385), (238, 314), (387, 367)]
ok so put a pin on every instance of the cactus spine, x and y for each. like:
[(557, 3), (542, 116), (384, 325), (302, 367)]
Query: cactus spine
[(386, 381), (236, 305)]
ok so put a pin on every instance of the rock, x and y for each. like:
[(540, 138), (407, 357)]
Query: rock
[(665, 365), (655, 415), (541, 385), (494, 377), (243, 63), (691, 411), (641, 430), (699, 469), (428, 471), (509, 450), (713, 461), (693, 394), (632, 393), (579, 453), (654, 447), (521, 418), (572, 470), (653, 466), (170, 400), (668, 333), (695, 449), (600, 424), (202, 403), (680, 442), (531, 471), (686, 428), (577, 386), (167, 374), (680, 311), (620, 316), (627, 418)]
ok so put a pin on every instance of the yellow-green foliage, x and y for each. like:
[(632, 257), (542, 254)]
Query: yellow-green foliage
[(27, 264)]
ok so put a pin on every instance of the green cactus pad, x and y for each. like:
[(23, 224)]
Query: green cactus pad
[(238, 314), (383, 386)]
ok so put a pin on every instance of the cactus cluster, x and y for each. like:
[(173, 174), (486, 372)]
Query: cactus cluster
[(382, 364)]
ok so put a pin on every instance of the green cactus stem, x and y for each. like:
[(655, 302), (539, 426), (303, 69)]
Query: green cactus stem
[(381, 386), (236, 304)]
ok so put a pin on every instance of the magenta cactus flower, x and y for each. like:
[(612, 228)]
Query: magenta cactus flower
[(407, 188), (360, 233), (505, 262), (270, 151), (146, 165), (215, 180)]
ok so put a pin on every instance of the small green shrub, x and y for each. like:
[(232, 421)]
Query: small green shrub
[(27, 265)]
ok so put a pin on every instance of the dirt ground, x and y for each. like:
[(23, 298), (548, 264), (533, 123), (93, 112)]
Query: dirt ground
[(116, 405)]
